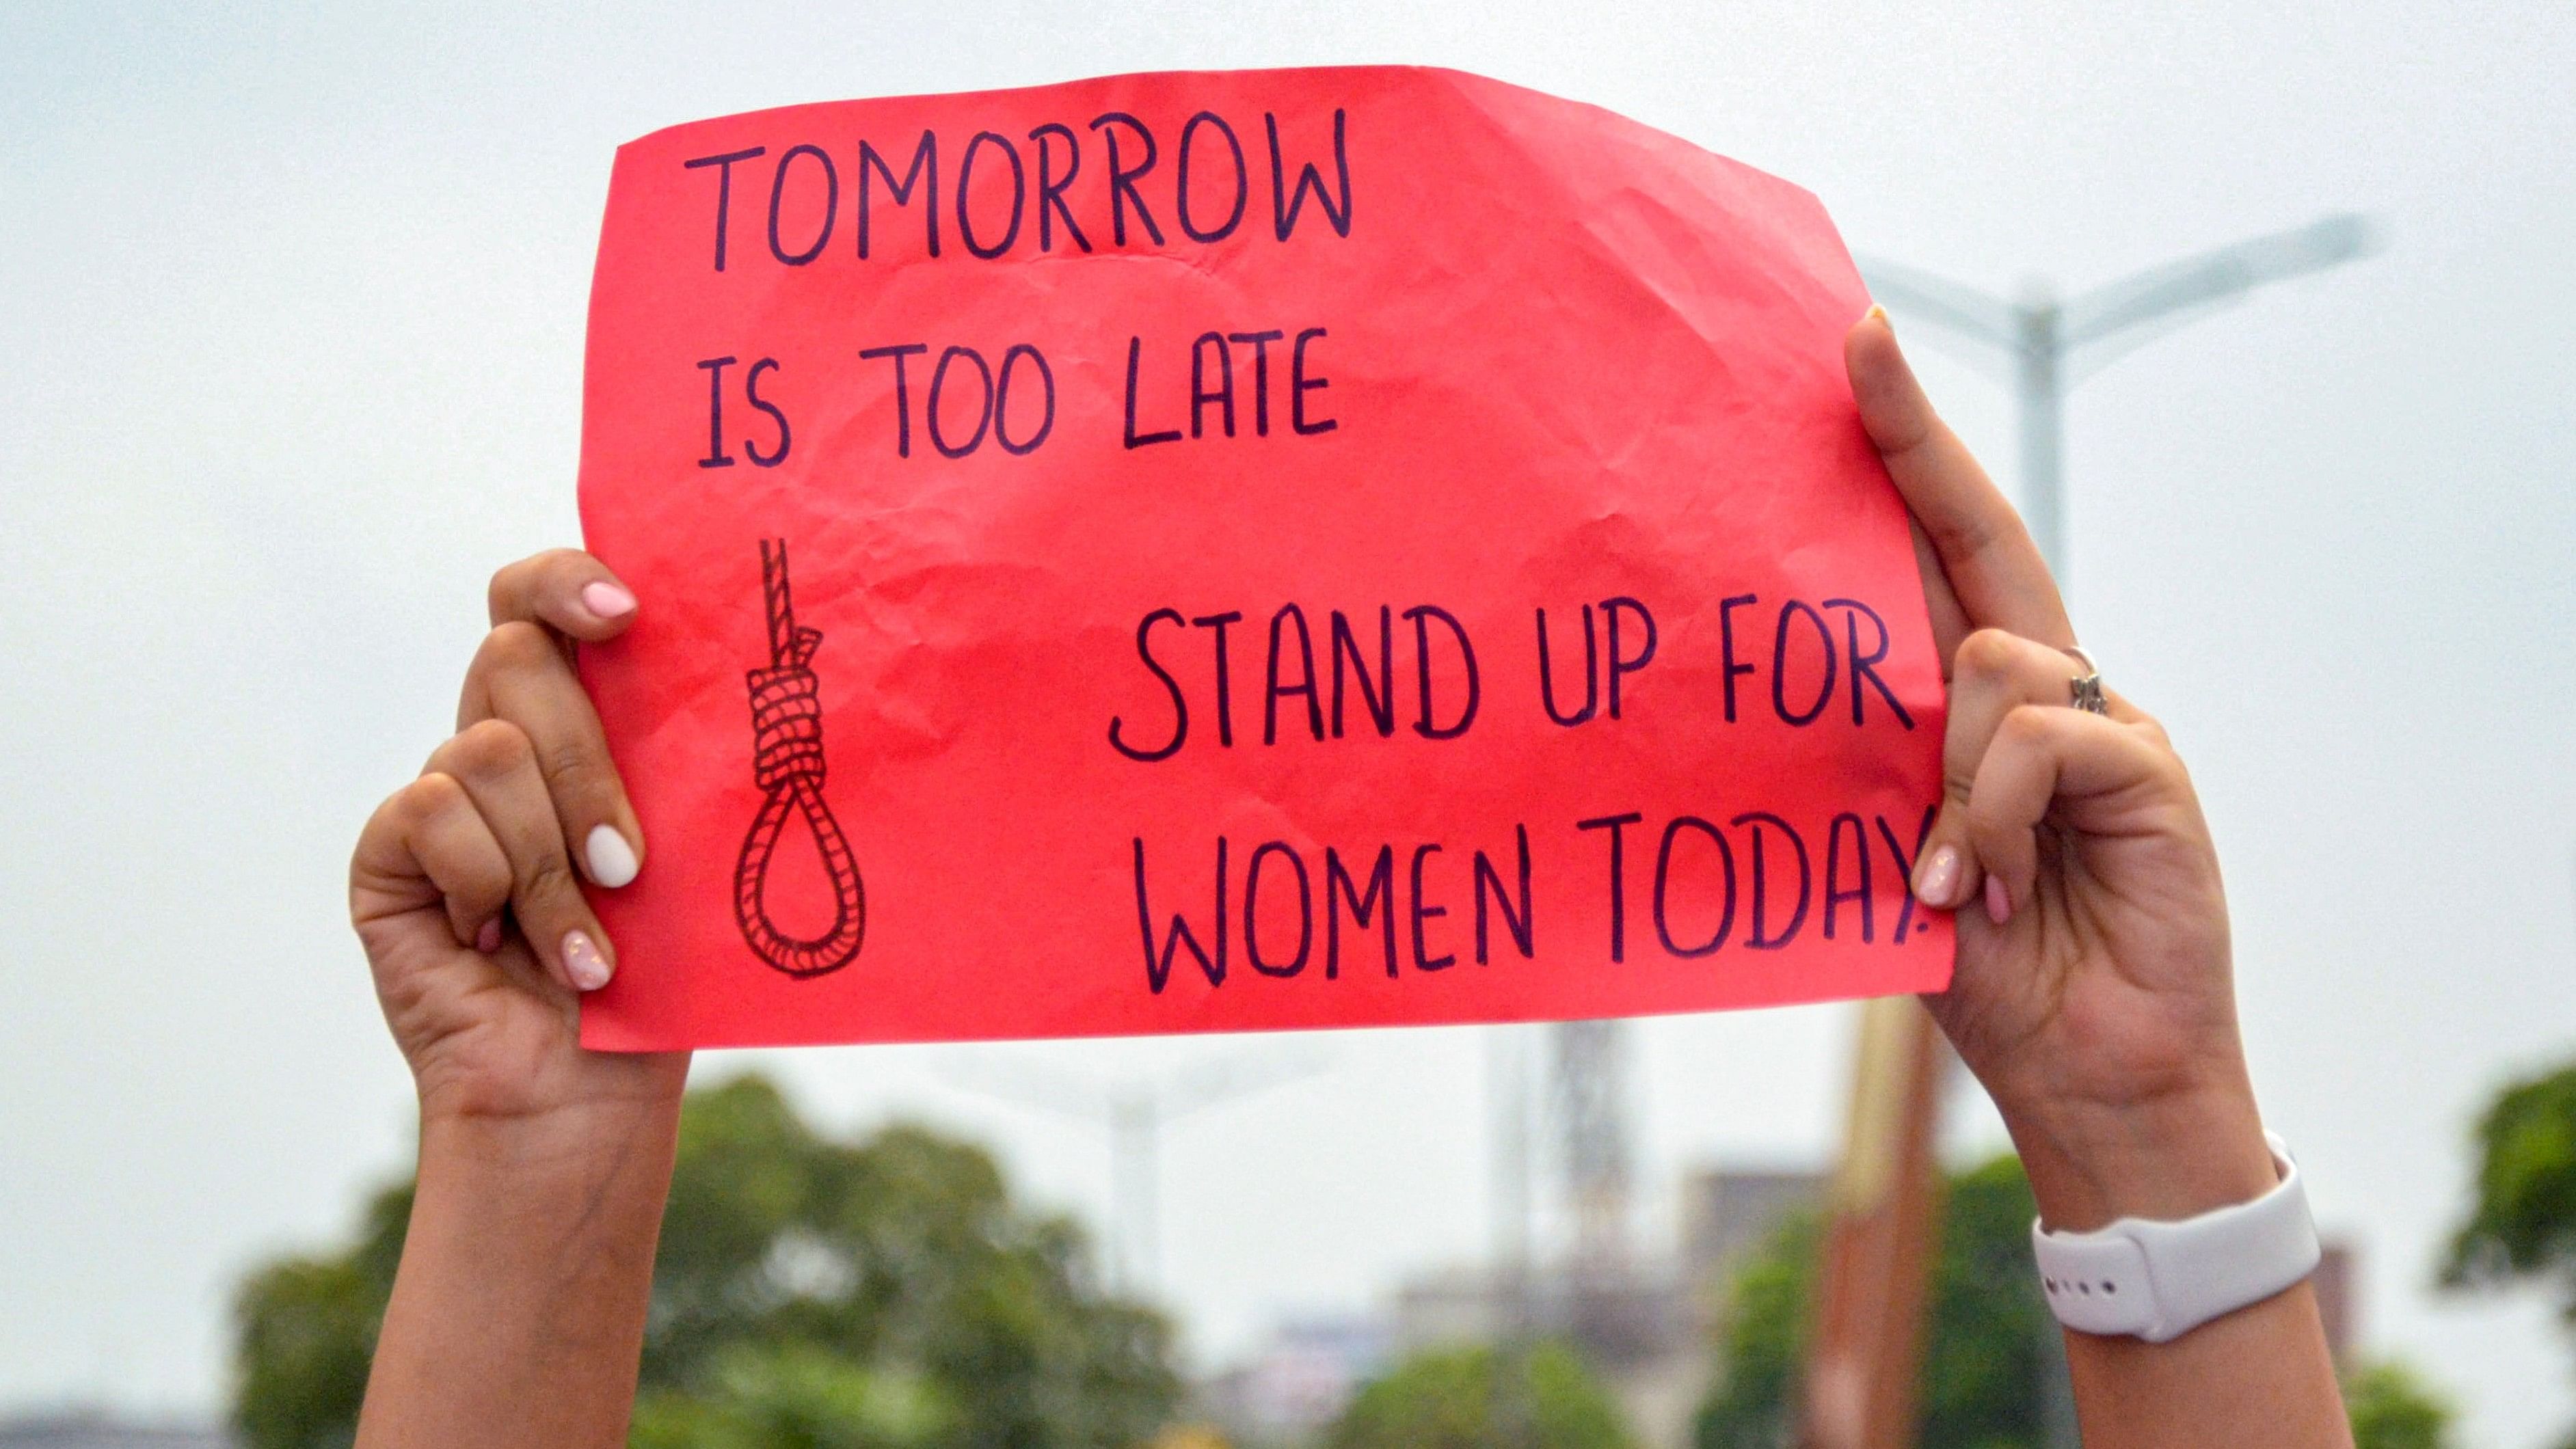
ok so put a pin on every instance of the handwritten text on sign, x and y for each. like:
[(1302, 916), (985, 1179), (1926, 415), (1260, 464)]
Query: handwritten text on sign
[(1227, 551)]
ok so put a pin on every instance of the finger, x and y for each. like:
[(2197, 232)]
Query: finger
[(497, 765), (519, 676), (1988, 556), (2045, 759), (425, 845), (567, 589), (1994, 674), (1950, 626)]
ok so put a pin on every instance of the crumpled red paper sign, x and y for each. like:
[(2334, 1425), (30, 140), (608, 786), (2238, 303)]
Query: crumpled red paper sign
[(1212, 552)]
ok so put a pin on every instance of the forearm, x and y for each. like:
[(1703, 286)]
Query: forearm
[(2260, 1376), (518, 1312)]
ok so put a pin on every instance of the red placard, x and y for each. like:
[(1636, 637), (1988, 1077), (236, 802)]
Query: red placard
[(1208, 552)]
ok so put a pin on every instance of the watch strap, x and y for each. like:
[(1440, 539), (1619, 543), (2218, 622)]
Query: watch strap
[(2160, 1280)]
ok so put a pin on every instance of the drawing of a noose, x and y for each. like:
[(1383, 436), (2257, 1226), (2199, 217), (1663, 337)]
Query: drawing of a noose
[(787, 760)]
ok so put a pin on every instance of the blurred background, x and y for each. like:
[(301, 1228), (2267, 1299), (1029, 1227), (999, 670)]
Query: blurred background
[(293, 295)]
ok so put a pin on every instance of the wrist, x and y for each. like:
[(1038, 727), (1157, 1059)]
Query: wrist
[(567, 1094), (2174, 1156), (572, 1144)]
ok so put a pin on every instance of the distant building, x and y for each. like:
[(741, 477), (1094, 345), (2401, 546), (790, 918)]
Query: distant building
[(1299, 1381), (1728, 1212), (94, 1430), (1645, 1325), (1635, 1316)]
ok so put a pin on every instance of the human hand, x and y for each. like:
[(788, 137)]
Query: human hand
[(463, 886), (2093, 995)]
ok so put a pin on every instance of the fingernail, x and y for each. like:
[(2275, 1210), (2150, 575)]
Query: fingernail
[(488, 939), (1940, 877), (607, 600), (1877, 313), (582, 961), (1998, 901), (612, 860)]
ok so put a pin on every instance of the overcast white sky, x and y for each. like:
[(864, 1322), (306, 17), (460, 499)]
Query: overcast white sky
[(292, 298)]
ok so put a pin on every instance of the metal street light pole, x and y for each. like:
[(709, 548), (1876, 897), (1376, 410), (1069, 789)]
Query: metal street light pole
[(2050, 346), (2039, 378)]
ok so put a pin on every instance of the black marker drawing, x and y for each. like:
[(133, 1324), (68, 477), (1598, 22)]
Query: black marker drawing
[(787, 759)]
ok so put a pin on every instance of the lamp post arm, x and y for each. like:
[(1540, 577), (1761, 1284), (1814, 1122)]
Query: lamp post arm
[(1209, 1084), (1954, 305), (2216, 276), (1031, 1085)]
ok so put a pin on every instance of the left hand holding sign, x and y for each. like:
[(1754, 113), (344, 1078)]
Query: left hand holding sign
[(2093, 994)]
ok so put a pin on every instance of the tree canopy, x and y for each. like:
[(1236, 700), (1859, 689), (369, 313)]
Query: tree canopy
[(1484, 1397), (2392, 1409), (809, 1293), (2524, 1222), (2523, 1225), (1984, 1350)]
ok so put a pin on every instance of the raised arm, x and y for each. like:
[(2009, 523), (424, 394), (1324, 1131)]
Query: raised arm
[(2094, 996), (518, 1313)]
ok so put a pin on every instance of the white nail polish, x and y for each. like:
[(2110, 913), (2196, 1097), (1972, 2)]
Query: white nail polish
[(612, 860)]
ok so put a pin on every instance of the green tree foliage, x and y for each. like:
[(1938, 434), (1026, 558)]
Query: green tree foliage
[(1984, 1354), (794, 1397), (1987, 1363), (1480, 1397), (1763, 1342), (2392, 1409), (809, 1294), (306, 1330), (2524, 1224)]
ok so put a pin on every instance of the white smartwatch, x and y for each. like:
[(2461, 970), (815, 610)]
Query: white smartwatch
[(2159, 1281)]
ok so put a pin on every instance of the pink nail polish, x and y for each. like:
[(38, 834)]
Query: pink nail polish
[(1998, 901), (1940, 877), (607, 600), (488, 939), (583, 963)]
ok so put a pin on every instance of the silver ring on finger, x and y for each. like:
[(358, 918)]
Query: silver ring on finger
[(2086, 688)]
